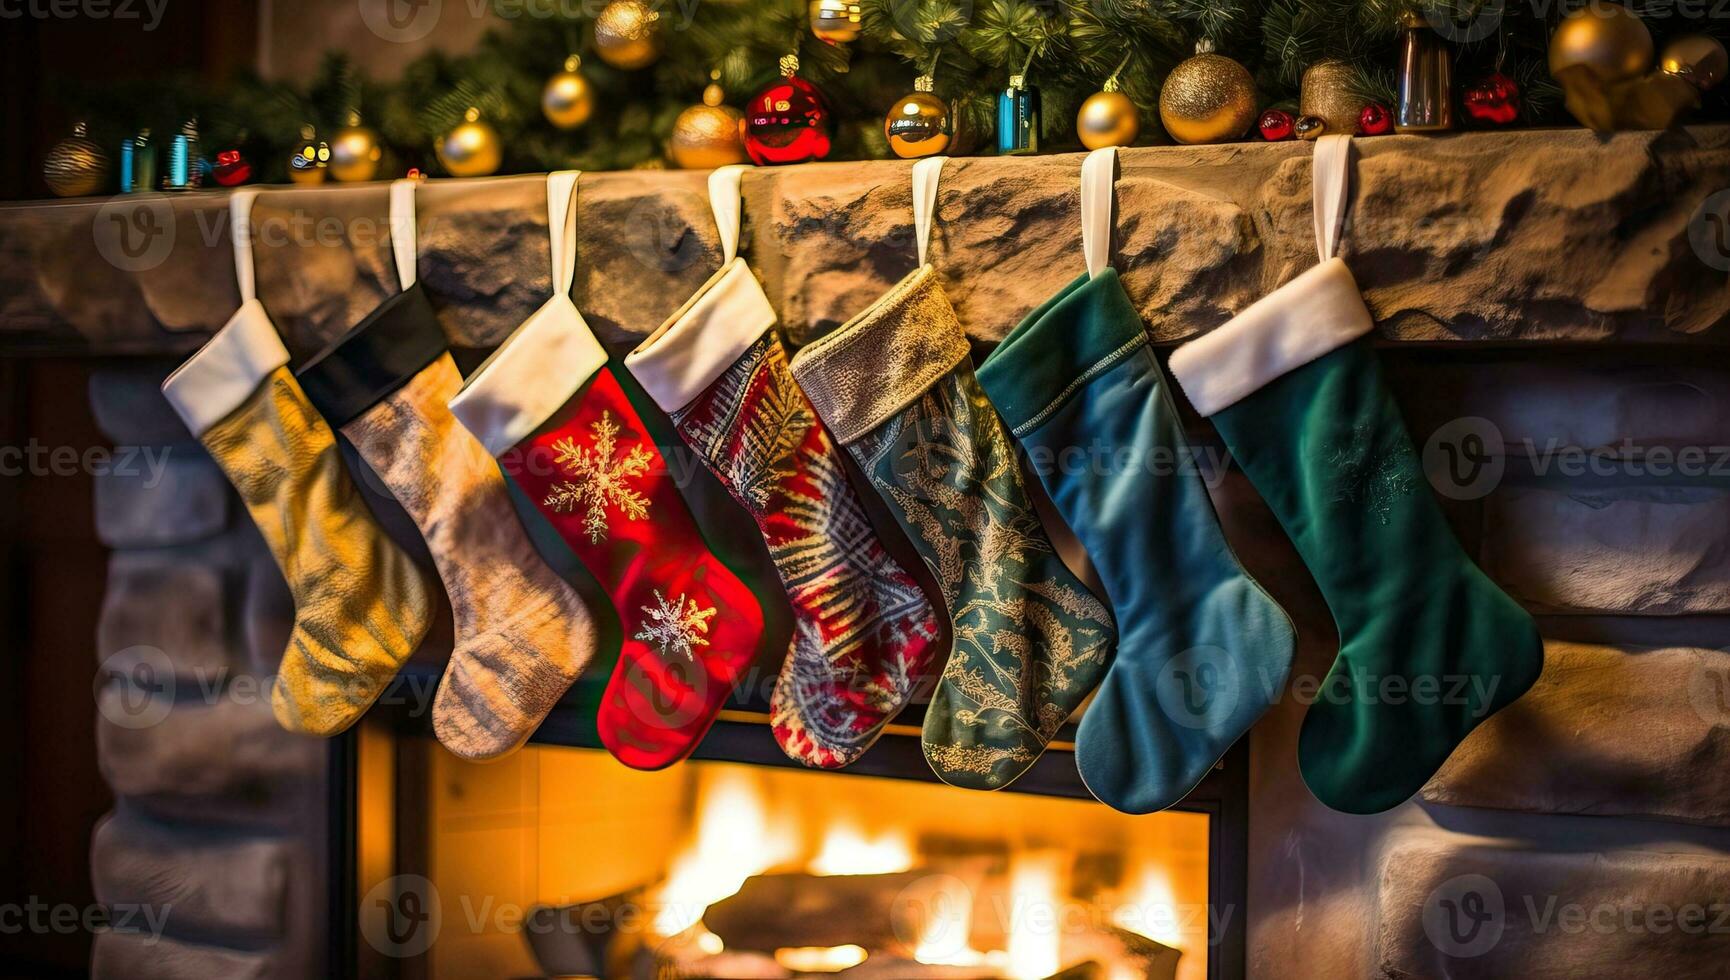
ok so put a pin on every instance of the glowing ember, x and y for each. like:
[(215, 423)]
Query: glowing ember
[(820, 959), (847, 851)]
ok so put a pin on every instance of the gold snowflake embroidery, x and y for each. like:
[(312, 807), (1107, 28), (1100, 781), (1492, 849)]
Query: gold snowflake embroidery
[(676, 626), (597, 478)]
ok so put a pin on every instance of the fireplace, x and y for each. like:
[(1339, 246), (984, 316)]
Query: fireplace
[(558, 861)]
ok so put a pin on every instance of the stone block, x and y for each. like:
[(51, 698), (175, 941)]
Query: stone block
[(1447, 906), (1605, 731), (132, 956), (173, 499), (129, 408), (208, 755), (210, 884), (177, 607), (1632, 549)]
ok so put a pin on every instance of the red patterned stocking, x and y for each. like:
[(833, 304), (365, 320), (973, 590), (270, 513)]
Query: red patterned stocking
[(865, 633)]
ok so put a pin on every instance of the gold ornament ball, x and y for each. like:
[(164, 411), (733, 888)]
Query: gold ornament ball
[(628, 34), (76, 166), (707, 136), (1326, 93), (472, 149), (1698, 58), (835, 21), (1310, 127), (1208, 98), (918, 125), (568, 100), (1606, 39), (354, 154), (1107, 118)]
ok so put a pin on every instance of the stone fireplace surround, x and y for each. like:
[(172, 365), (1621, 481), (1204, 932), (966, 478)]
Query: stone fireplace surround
[(1554, 288)]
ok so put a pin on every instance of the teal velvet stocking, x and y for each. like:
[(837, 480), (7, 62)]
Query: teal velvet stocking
[(1202, 650)]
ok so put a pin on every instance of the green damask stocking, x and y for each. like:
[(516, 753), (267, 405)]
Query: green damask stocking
[(895, 386)]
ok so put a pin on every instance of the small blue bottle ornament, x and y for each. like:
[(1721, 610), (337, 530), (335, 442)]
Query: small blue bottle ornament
[(1018, 118)]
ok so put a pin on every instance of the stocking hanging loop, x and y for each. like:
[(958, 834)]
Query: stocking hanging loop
[(724, 185), (402, 231), (925, 174), (562, 228), (1098, 177), (1331, 171), (240, 233)]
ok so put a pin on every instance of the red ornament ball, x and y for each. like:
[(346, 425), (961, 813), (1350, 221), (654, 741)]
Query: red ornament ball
[(787, 122), (231, 169), (1375, 119), (1276, 125), (1494, 100)]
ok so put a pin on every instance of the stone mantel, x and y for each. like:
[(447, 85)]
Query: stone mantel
[(1486, 237)]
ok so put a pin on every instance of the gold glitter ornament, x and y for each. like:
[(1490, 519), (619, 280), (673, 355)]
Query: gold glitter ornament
[(1107, 118), (568, 100), (628, 34), (707, 136), (1326, 93), (919, 124), (76, 166), (472, 149), (1207, 98)]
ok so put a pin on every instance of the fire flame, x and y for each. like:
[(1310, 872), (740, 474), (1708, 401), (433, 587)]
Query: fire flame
[(738, 835), (847, 851), (734, 841), (1033, 930), (1152, 908)]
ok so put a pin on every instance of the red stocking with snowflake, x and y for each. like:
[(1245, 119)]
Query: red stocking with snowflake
[(546, 406)]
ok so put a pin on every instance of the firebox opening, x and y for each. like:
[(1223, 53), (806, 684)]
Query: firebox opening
[(558, 861)]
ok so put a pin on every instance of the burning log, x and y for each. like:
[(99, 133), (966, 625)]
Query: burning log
[(885, 912)]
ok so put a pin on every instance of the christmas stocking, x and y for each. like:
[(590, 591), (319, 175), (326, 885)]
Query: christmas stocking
[(864, 632), (360, 605), (1429, 647), (546, 406), (1203, 650), (522, 634), (895, 387)]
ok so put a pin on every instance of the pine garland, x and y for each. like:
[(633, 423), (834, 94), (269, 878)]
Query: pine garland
[(1068, 48)]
